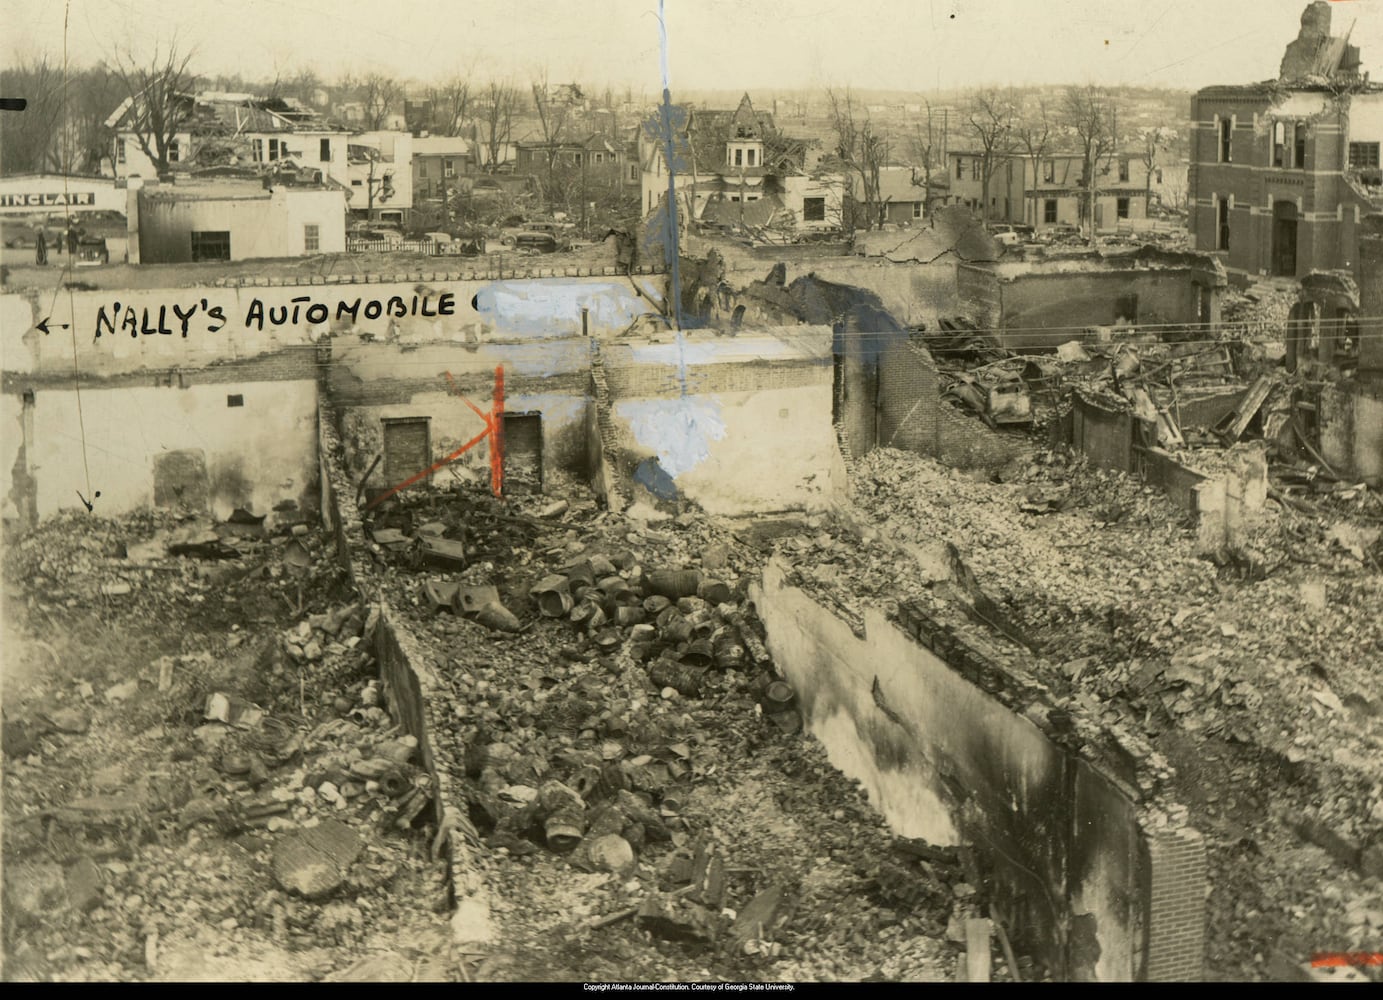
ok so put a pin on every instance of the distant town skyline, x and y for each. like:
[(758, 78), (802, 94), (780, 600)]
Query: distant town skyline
[(900, 45)]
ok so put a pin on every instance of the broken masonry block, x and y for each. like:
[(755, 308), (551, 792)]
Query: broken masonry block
[(676, 920)]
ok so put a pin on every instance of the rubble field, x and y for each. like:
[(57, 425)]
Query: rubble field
[(202, 780), (1254, 677)]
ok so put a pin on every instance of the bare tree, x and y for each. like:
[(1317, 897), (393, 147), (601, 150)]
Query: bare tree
[(1092, 116), (161, 102), (1034, 135), (380, 95), (497, 108), (1152, 142), (91, 95), (926, 152), (28, 141), (554, 121), (451, 105), (991, 116), (861, 149)]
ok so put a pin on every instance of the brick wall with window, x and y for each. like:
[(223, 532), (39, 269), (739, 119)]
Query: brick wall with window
[(1363, 155)]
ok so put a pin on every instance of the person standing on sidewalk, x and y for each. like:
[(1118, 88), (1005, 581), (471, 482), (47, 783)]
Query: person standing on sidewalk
[(41, 248)]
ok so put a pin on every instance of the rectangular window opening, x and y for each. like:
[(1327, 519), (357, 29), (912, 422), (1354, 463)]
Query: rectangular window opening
[(324, 151), (312, 237), (211, 245), (236, 400), (813, 209), (1049, 210), (1226, 141), (1363, 155), (1121, 208)]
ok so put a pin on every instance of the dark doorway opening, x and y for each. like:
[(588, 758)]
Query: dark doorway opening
[(407, 448), (523, 452), (1284, 262)]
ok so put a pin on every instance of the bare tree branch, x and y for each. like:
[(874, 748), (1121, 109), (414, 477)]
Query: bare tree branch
[(380, 95), (1092, 116), (992, 116), (28, 141), (1035, 135), (498, 105), (861, 149), (161, 100)]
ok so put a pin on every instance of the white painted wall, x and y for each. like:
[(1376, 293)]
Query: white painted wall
[(1366, 118), (270, 443)]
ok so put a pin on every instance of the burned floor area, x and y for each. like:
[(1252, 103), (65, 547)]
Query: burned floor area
[(204, 780)]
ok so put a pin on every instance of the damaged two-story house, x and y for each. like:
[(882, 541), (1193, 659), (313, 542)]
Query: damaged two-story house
[(736, 169), (215, 129), (1283, 171)]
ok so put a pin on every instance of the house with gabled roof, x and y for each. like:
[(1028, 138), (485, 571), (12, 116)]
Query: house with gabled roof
[(734, 168)]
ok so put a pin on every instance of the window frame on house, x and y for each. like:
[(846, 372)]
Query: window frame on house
[(449, 167), (121, 152), (205, 245), (1123, 171), (275, 149), (174, 150), (1279, 143), (1121, 208), (917, 210), (749, 157), (1049, 210), (1299, 146), (257, 150), (1226, 140), (974, 168), (1049, 172), (1222, 227), (814, 209), (737, 157), (312, 237), (1363, 155), (960, 168), (422, 168), (324, 149)]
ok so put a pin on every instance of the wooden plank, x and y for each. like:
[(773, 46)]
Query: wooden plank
[(1232, 426), (977, 933)]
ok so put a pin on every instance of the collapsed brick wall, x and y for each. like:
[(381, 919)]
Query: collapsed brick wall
[(945, 739), (406, 670), (1176, 926), (909, 401)]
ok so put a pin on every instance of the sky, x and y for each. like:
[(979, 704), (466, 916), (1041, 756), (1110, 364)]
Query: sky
[(911, 45)]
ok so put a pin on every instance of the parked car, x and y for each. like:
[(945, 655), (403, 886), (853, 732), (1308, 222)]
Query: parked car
[(1004, 234), (92, 251), (536, 243), (1061, 232), (376, 234)]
